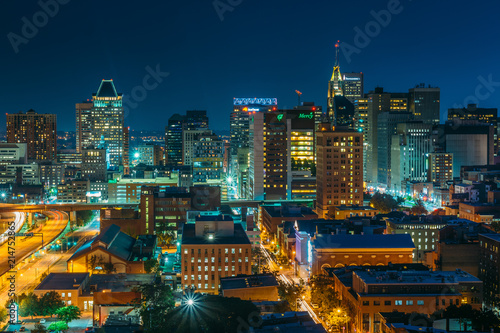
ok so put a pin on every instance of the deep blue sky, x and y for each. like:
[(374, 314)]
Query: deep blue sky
[(260, 49)]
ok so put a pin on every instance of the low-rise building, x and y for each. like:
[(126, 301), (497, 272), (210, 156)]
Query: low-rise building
[(368, 291), (113, 251), (213, 247), (273, 215), (479, 212), (343, 212), (260, 287), (336, 251)]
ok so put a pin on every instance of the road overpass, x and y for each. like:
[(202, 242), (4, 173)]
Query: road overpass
[(66, 207)]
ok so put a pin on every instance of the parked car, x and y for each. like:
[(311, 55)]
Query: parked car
[(42, 321), (22, 329)]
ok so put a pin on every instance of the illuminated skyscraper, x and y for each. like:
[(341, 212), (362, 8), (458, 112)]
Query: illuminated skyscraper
[(353, 86), (424, 103), (108, 119), (240, 119), (173, 139), (38, 131), (339, 176), (334, 87), (83, 125)]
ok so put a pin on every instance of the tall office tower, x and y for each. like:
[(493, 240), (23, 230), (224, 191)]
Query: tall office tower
[(440, 169), (126, 150), (362, 125), (334, 87), (94, 164), (243, 110), (387, 127), (471, 143), (424, 103), (339, 175), (196, 119), (208, 158), (308, 107), (377, 102), (268, 167), (173, 139), (13, 153), (189, 137), (38, 131), (484, 115), (108, 119), (410, 150), (150, 154), (83, 125), (353, 86), (301, 157), (368, 110)]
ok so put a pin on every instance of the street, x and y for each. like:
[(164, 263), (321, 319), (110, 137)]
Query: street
[(25, 246)]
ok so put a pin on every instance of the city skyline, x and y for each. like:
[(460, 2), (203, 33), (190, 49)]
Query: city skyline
[(211, 80)]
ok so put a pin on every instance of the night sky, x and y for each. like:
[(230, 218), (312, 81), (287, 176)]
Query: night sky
[(259, 49)]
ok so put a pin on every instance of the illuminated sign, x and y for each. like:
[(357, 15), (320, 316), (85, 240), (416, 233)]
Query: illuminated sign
[(280, 116), (255, 101), (308, 116), (254, 109), (352, 78)]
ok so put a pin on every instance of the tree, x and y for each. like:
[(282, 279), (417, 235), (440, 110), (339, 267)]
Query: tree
[(151, 266), (39, 328), (69, 313), (29, 306), (383, 202), (259, 261), (108, 267), (43, 276), (3, 314), (50, 303), (323, 293), (59, 326), (495, 226), (290, 293), (84, 216), (337, 318), (166, 238), (419, 208), (155, 301)]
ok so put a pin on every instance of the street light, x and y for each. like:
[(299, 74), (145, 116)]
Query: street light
[(190, 302)]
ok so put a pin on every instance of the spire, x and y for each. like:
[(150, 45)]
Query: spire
[(336, 80)]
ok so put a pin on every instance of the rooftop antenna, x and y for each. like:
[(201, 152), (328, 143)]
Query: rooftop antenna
[(337, 53), (298, 95)]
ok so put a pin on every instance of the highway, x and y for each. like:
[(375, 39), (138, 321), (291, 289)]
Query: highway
[(25, 246), (18, 224)]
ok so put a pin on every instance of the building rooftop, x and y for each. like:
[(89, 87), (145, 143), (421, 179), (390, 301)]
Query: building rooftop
[(248, 281), (219, 217), (117, 282), (62, 281), (354, 207), (495, 237), (401, 241), (189, 236), (415, 277)]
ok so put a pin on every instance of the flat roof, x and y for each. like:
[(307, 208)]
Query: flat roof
[(398, 241), (118, 282), (62, 281), (495, 237), (248, 281), (189, 237), (415, 277)]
